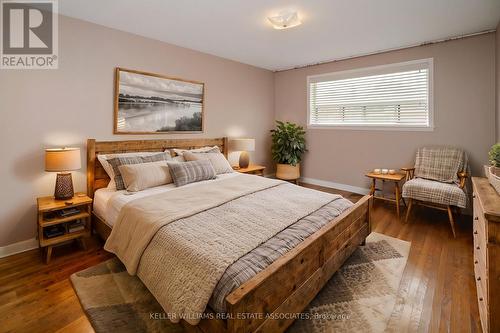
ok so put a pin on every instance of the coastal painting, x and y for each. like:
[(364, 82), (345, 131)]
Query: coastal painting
[(147, 103)]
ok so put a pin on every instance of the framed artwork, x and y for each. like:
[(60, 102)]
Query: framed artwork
[(147, 103)]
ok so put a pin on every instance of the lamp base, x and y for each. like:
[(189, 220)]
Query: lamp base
[(244, 160), (64, 186)]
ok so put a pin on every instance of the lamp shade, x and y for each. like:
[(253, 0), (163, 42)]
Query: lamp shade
[(62, 159), (242, 145)]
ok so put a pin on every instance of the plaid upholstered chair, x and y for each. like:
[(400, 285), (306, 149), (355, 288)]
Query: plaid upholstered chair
[(438, 180)]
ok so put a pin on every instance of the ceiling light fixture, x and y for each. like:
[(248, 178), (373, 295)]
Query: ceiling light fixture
[(285, 20)]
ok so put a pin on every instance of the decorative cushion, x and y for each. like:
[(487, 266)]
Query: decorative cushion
[(218, 160), (434, 191), (117, 161), (103, 159), (138, 177), (190, 172), (440, 163)]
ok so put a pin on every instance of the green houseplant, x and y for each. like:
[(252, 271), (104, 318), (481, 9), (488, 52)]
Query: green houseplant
[(494, 157), (288, 147)]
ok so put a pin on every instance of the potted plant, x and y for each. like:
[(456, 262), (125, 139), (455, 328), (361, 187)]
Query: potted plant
[(493, 171), (288, 146), (494, 157)]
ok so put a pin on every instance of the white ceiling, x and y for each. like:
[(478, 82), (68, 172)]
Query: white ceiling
[(331, 29)]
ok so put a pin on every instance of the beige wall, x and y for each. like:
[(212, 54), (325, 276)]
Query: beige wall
[(464, 107), (66, 106)]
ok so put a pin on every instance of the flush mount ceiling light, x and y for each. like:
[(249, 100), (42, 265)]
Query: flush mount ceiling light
[(285, 20)]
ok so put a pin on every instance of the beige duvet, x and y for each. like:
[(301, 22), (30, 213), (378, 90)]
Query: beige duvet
[(180, 242)]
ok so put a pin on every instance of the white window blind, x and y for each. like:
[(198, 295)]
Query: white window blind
[(392, 96)]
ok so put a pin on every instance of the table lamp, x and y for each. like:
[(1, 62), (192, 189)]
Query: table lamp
[(244, 146), (62, 160)]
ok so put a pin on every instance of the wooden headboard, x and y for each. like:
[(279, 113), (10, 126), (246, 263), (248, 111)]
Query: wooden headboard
[(98, 178)]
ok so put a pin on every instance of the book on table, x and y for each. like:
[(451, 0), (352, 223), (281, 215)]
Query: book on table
[(76, 226), (69, 212), (53, 231)]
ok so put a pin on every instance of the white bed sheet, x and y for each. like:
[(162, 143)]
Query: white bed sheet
[(109, 202)]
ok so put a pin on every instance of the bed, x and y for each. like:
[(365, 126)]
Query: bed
[(284, 286)]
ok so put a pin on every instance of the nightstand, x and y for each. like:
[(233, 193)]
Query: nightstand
[(60, 221), (253, 170)]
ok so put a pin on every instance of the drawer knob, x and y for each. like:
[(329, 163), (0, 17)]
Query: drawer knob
[(475, 232), (481, 299), (476, 218), (474, 196), (476, 262), (479, 278), (477, 248)]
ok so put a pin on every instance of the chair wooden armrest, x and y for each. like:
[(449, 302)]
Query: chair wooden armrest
[(462, 177), (409, 173)]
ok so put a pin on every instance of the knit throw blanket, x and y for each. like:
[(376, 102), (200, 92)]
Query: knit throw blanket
[(180, 242)]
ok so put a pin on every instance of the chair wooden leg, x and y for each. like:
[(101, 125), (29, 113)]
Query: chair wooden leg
[(396, 192), (372, 189), (410, 204), (452, 222)]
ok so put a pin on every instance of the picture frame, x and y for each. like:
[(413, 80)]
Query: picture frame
[(149, 103)]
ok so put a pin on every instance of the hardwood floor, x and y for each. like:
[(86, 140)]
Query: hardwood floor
[(438, 278), (439, 275)]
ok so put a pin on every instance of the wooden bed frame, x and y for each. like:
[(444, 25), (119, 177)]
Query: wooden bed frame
[(286, 286)]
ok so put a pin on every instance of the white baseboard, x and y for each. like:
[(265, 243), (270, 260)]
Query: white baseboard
[(18, 247), (339, 186)]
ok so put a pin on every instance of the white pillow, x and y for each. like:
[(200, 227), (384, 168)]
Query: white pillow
[(103, 159), (179, 158), (218, 160), (197, 150), (138, 177)]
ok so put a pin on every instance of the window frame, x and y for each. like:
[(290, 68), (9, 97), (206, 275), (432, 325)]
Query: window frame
[(369, 71)]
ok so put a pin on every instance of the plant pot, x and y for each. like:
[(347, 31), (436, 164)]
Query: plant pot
[(287, 171), (495, 170), (494, 178), (491, 169)]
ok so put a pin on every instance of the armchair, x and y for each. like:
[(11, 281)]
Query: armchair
[(438, 180)]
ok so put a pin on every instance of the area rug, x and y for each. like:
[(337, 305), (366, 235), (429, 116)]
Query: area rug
[(360, 297)]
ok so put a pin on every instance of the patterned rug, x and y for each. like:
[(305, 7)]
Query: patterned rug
[(360, 297)]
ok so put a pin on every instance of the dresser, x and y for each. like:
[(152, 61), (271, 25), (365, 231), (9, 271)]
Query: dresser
[(486, 233)]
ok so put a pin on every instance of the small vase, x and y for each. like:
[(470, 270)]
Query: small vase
[(287, 171)]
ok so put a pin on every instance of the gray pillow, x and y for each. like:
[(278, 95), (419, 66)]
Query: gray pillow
[(189, 172), (117, 161), (219, 161)]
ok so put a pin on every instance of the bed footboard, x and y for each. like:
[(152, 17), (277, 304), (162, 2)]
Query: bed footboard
[(265, 302)]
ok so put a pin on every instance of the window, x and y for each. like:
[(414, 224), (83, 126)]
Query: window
[(396, 96)]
